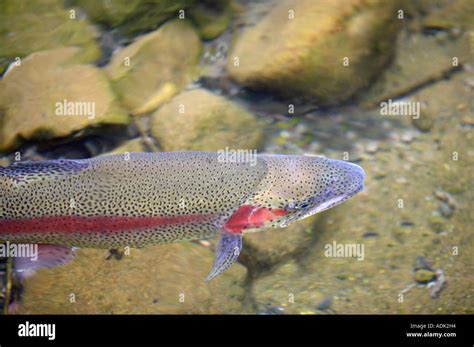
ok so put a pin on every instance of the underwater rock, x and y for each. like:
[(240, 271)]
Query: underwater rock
[(48, 96), (424, 275), (426, 120), (272, 246), (111, 13), (299, 48), (455, 14), (325, 304), (211, 17), (130, 146), (440, 57), (155, 67), (167, 279), (28, 26), (133, 16), (201, 120)]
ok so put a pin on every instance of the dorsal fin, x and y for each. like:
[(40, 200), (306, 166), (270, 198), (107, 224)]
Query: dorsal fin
[(29, 170)]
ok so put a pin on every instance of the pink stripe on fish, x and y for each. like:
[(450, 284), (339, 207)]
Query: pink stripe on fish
[(248, 216), (65, 224)]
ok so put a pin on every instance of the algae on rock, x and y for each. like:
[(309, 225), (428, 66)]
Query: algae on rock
[(211, 17), (323, 50), (133, 16), (30, 26), (30, 94), (455, 14), (201, 120), (155, 67)]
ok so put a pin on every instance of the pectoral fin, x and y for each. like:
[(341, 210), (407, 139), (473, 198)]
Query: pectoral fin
[(227, 252), (47, 256)]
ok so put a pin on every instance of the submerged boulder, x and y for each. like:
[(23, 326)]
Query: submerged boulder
[(133, 16), (201, 120), (324, 50), (211, 17), (48, 96), (458, 14), (30, 26), (155, 67)]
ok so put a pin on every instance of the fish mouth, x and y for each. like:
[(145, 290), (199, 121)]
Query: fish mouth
[(327, 205), (319, 208)]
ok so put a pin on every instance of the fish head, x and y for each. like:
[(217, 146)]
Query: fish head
[(302, 186)]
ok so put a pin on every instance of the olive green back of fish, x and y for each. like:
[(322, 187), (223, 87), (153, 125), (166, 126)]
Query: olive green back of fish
[(140, 184)]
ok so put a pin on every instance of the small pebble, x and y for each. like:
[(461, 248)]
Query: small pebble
[(424, 275), (446, 210), (370, 234), (422, 263), (424, 123), (468, 121), (407, 136), (394, 136), (205, 243), (371, 147), (114, 253), (300, 129), (470, 82), (350, 135), (446, 197), (324, 304), (314, 147), (271, 310), (401, 180)]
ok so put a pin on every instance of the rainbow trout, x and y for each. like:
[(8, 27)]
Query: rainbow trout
[(152, 198)]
